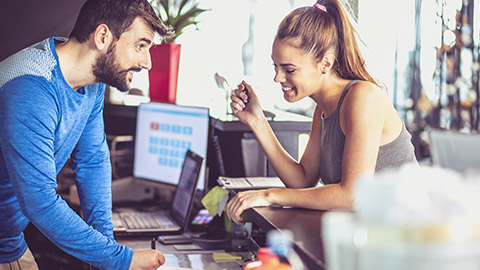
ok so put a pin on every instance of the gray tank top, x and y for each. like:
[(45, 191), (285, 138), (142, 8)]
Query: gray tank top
[(397, 153)]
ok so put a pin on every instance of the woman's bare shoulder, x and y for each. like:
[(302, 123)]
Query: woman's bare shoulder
[(366, 93)]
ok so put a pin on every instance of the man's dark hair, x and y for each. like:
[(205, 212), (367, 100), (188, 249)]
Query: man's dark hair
[(118, 15)]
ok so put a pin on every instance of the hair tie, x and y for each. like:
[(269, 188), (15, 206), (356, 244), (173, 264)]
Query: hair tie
[(320, 6)]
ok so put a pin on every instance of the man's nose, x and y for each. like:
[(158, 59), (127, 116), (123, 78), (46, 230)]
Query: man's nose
[(146, 61)]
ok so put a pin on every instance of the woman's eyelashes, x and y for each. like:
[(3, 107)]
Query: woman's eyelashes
[(287, 70)]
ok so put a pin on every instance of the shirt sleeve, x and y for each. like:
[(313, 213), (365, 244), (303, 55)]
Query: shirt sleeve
[(27, 132), (92, 168)]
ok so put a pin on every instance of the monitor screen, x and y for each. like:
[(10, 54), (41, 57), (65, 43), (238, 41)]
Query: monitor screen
[(164, 133)]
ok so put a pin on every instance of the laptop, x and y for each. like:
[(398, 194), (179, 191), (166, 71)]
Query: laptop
[(133, 222), (454, 150)]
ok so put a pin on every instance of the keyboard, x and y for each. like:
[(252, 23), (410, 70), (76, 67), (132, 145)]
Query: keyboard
[(145, 220)]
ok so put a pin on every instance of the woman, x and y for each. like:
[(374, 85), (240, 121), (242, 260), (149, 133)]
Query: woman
[(355, 129)]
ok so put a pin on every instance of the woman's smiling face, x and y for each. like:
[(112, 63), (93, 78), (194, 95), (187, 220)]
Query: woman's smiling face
[(299, 74)]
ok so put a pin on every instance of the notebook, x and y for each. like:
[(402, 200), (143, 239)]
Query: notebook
[(133, 222), (249, 182), (258, 182), (454, 150)]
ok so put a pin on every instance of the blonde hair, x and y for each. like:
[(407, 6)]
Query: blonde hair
[(317, 31)]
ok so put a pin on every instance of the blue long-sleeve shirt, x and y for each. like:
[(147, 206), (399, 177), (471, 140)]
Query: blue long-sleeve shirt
[(43, 122)]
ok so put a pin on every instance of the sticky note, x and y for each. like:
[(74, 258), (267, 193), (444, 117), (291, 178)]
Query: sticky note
[(214, 201), (224, 256)]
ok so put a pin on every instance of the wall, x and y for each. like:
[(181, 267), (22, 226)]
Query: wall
[(28, 21)]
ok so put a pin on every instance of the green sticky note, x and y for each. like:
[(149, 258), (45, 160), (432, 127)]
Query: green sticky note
[(213, 199)]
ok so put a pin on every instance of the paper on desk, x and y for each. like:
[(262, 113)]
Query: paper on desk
[(215, 200)]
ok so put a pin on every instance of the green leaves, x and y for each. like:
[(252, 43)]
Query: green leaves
[(176, 13)]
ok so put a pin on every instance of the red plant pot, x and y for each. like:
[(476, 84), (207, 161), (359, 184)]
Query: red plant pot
[(163, 75)]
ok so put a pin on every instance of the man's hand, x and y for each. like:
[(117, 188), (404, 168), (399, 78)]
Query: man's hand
[(146, 259)]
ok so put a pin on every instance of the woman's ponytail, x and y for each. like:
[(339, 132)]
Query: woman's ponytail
[(325, 27)]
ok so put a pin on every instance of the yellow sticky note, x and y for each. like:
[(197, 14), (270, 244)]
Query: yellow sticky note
[(223, 256), (214, 201)]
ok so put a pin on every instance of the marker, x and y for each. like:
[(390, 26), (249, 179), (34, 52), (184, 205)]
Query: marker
[(246, 93), (153, 243)]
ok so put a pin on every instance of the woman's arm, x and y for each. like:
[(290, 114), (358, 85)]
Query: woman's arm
[(335, 196), (363, 118), (293, 174)]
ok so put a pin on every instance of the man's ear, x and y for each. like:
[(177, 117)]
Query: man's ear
[(102, 37), (326, 64)]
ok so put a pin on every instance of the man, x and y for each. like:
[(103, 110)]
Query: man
[(51, 102)]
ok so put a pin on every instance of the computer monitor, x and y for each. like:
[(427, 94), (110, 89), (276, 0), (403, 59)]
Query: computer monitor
[(164, 133)]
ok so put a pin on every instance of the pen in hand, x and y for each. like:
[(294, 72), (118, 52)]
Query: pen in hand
[(153, 243), (245, 101), (246, 93)]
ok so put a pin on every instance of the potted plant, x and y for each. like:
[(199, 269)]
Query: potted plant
[(165, 56)]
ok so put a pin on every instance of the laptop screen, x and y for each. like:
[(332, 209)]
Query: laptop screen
[(185, 191), (164, 133)]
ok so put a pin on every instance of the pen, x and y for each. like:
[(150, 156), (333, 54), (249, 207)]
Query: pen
[(246, 93), (153, 243)]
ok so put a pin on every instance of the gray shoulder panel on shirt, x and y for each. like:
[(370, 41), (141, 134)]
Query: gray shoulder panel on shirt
[(36, 60)]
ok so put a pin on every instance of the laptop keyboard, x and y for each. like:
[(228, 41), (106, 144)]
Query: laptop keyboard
[(143, 220)]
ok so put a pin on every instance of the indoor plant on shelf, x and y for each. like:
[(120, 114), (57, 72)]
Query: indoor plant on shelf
[(165, 56)]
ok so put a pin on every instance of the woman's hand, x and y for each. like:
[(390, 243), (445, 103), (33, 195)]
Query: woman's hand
[(250, 112), (245, 200)]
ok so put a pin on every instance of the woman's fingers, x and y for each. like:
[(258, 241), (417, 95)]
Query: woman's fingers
[(235, 107), (235, 209), (236, 100), (243, 201), (243, 91), (237, 103), (248, 88)]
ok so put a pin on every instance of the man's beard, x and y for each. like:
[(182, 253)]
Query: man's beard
[(107, 70)]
